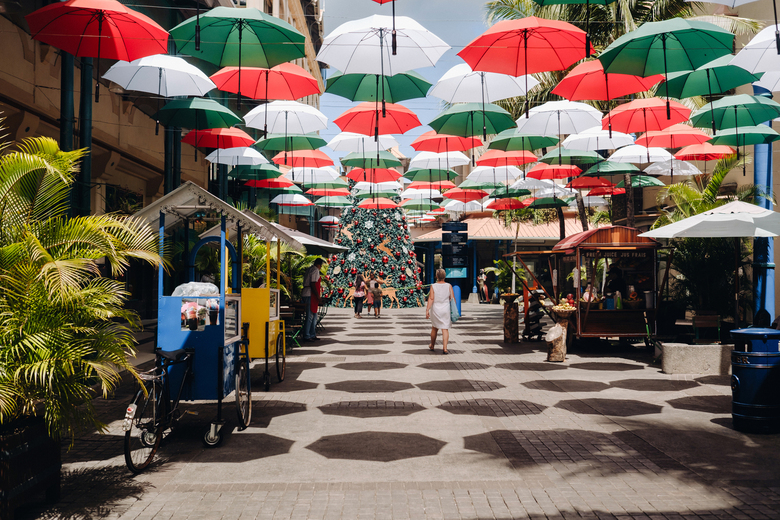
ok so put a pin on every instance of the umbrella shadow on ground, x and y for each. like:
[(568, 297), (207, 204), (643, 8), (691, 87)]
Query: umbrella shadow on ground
[(369, 409), (654, 385), (371, 366), (376, 446), (358, 352), (427, 351), (606, 366), (263, 412), (454, 366), (724, 380), (534, 367), (369, 386), (715, 404), (291, 382), (509, 349), (566, 385), (246, 446), (492, 407), (331, 342), (460, 385), (611, 407)]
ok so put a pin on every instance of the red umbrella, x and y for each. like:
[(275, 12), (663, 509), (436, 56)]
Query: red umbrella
[(467, 195), (98, 29), (278, 182), (303, 158), (328, 192), (378, 203), (524, 46), (509, 204), (373, 174), (496, 158), (589, 182), (587, 81), (673, 137), (606, 190), (643, 115), (286, 81), (553, 171), (433, 185), (704, 152), (365, 119), (218, 138), (438, 143)]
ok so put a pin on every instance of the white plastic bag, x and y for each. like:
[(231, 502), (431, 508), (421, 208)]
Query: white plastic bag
[(195, 289), (554, 333)]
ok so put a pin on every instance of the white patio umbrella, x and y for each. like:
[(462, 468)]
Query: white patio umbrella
[(673, 167), (590, 201), (352, 142), (497, 174), (460, 84), (312, 175), (638, 154), (294, 199), (286, 117), (770, 81), (733, 220), (597, 139), (444, 160), (238, 156), (376, 186), (762, 53), (558, 118), (413, 193)]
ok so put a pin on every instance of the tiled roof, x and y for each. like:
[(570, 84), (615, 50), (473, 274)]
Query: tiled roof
[(493, 229)]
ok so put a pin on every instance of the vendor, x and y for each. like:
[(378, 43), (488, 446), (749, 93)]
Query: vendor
[(615, 281)]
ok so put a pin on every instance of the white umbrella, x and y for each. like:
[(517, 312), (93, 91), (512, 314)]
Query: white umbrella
[(761, 53), (352, 142), (770, 81), (596, 138), (532, 184), (161, 74), (413, 193), (438, 160), (295, 199), (329, 221), (312, 175), (559, 117), (286, 117), (638, 154), (364, 46), (238, 156), (376, 186), (590, 202), (456, 206), (555, 191), (460, 84), (497, 174), (733, 4), (673, 167)]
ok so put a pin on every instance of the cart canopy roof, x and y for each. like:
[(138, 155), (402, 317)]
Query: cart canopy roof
[(189, 199), (608, 236)]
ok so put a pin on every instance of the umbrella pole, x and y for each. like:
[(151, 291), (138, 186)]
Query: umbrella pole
[(240, 35), (712, 107), (197, 25), (609, 112), (666, 77), (382, 70), (736, 281), (395, 42), (525, 64), (484, 123), (587, 28), (159, 89), (265, 124), (777, 32), (97, 63)]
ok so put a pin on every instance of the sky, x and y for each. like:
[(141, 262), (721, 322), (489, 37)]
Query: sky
[(457, 22)]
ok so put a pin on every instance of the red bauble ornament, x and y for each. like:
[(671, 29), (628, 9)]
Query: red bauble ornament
[(354, 210), (342, 261), (341, 290), (339, 241), (373, 213), (398, 254), (409, 261), (419, 270), (419, 285), (405, 299), (406, 237), (385, 259), (400, 226), (381, 273), (406, 226), (371, 247), (402, 277), (414, 255), (373, 260), (392, 268), (350, 284), (353, 270), (359, 240), (387, 221), (381, 236)]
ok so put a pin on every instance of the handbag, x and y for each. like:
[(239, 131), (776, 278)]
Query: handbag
[(454, 314)]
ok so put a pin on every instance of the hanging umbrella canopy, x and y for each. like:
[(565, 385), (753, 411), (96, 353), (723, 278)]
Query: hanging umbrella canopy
[(606, 191), (418, 204), (502, 158), (550, 171), (331, 220), (196, 113), (279, 142), (430, 174), (704, 152), (372, 87), (373, 174), (254, 172), (641, 181), (333, 202), (430, 185), (507, 204), (485, 184), (735, 111), (303, 159), (313, 175), (531, 184), (366, 119), (505, 192), (412, 193), (456, 206), (715, 77), (238, 156), (438, 160), (328, 192), (160, 74), (597, 139), (644, 115), (638, 154), (559, 117), (274, 183), (762, 53), (369, 160), (555, 190), (365, 46), (674, 136), (378, 203), (286, 117), (464, 195), (588, 182), (378, 186), (514, 140), (745, 135), (352, 142), (548, 203), (329, 184), (469, 119), (769, 80), (733, 220), (218, 138), (460, 84), (588, 81), (433, 142), (372, 193), (590, 202), (498, 173), (562, 155), (610, 168), (672, 167), (286, 81), (294, 199)]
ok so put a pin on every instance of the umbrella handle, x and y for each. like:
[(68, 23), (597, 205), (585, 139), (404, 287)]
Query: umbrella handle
[(587, 29), (197, 25), (395, 43)]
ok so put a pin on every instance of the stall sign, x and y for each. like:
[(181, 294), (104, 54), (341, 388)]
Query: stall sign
[(598, 253)]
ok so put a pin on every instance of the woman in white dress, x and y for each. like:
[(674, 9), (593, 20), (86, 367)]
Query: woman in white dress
[(438, 309)]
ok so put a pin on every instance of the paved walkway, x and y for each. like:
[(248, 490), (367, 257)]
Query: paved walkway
[(370, 424)]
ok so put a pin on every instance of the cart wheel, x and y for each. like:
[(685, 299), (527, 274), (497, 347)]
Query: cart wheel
[(281, 357), (243, 394), (212, 441)]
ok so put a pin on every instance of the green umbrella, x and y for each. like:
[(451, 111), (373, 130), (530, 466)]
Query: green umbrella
[(255, 172), (736, 111), (430, 174), (333, 202), (369, 160), (465, 120), (506, 192), (513, 140), (276, 142), (562, 155), (365, 87), (548, 203), (470, 184), (608, 168), (239, 36), (330, 185), (745, 135), (196, 114), (641, 181), (419, 204), (668, 46)]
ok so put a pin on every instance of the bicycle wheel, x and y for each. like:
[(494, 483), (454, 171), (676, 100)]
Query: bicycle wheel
[(243, 394), (281, 357), (144, 427)]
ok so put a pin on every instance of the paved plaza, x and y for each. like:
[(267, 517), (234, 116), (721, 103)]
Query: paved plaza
[(370, 424)]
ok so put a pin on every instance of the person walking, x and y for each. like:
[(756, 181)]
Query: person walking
[(311, 299), (359, 294), (438, 309), (375, 289)]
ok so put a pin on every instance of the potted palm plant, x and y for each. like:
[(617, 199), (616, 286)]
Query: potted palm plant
[(64, 334)]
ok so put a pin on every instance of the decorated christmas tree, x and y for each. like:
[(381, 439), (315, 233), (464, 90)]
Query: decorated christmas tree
[(378, 242)]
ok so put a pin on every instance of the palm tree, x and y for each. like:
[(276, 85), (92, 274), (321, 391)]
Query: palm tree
[(63, 329)]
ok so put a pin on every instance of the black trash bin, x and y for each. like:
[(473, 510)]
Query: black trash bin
[(755, 380)]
